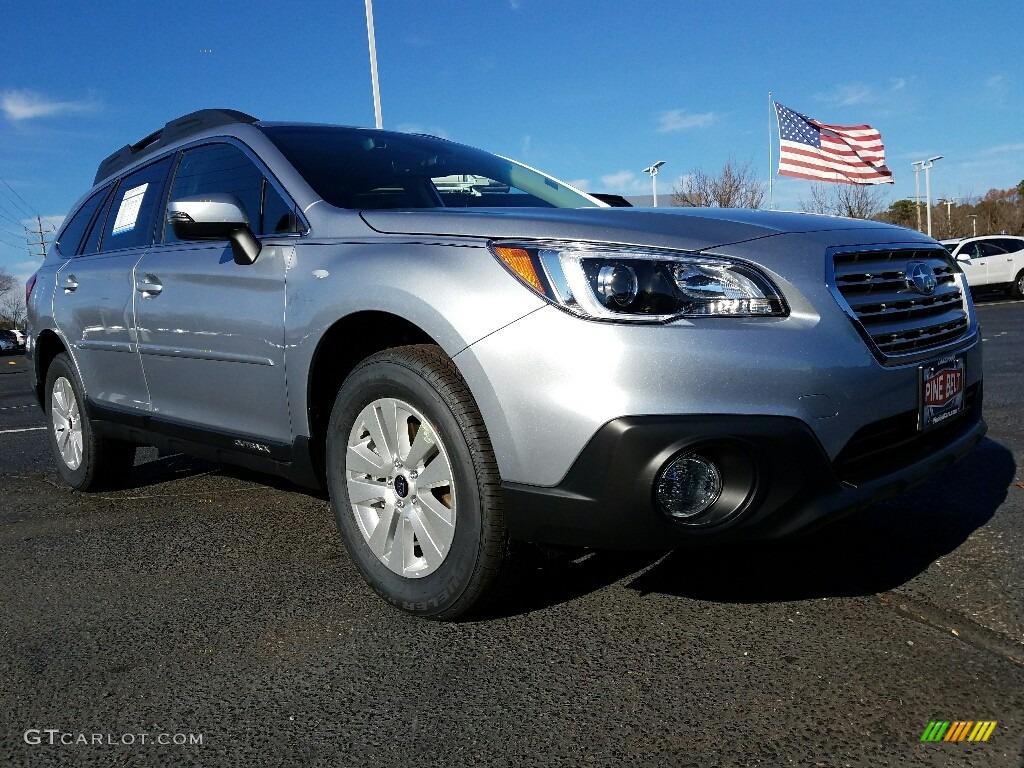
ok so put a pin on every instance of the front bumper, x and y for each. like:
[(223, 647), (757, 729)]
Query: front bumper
[(607, 499)]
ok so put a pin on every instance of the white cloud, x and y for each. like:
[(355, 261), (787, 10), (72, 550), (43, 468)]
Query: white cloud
[(525, 145), (1003, 149), (624, 183), (890, 95), (849, 95), (580, 184), (25, 105), (515, 5), (678, 120)]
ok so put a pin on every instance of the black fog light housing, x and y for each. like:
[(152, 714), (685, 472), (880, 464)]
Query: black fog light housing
[(706, 485), (688, 486)]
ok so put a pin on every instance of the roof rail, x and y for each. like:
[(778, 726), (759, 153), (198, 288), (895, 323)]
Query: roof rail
[(179, 128)]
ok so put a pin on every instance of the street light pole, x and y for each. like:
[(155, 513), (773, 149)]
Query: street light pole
[(974, 220), (927, 165), (949, 216), (917, 191), (653, 170), (373, 64)]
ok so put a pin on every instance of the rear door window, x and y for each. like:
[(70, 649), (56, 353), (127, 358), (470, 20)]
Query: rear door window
[(130, 220), (989, 248)]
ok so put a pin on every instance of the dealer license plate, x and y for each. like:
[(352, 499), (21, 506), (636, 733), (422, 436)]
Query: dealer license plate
[(942, 391)]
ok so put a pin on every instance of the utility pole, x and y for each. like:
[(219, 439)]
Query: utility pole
[(41, 242)]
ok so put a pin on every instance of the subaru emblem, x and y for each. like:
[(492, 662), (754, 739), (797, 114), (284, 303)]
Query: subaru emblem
[(920, 278)]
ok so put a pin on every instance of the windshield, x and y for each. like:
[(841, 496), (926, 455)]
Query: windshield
[(364, 169)]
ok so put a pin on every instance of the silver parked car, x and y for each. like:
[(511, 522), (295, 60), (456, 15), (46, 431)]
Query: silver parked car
[(472, 356)]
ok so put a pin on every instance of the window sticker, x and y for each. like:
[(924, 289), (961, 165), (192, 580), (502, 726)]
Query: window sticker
[(128, 212)]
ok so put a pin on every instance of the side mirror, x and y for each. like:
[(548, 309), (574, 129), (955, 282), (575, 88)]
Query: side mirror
[(218, 216)]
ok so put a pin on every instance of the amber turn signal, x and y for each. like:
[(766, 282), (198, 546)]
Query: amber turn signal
[(519, 261)]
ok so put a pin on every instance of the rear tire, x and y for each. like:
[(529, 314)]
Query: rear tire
[(415, 486), (1017, 287), (85, 461)]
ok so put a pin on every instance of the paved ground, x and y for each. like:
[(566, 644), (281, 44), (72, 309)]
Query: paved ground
[(205, 601)]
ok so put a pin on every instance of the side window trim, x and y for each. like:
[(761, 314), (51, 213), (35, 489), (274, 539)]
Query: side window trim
[(100, 221)]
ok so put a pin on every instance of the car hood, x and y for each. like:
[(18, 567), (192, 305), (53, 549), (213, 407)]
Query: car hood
[(687, 228)]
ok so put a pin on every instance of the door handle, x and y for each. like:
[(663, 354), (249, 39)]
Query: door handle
[(70, 284), (149, 285)]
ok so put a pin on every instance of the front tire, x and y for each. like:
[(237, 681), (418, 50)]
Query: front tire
[(414, 484), (85, 461)]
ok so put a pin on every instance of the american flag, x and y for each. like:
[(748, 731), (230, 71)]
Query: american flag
[(850, 154)]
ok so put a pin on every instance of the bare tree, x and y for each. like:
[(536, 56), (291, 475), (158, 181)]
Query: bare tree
[(12, 311), (7, 281), (855, 201), (735, 187), (12, 305)]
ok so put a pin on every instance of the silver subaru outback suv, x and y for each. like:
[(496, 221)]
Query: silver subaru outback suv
[(472, 356)]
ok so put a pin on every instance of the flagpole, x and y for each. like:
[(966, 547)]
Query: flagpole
[(771, 176)]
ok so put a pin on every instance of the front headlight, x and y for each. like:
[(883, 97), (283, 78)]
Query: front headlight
[(630, 284)]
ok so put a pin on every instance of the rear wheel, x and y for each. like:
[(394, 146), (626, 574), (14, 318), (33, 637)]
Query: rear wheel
[(1017, 287), (414, 484), (85, 461)]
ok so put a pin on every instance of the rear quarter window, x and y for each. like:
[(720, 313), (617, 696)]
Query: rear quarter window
[(73, 233)]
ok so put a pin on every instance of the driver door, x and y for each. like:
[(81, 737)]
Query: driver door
[(211, 332)]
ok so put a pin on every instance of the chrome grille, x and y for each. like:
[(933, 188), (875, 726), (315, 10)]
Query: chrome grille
[(897, 319)]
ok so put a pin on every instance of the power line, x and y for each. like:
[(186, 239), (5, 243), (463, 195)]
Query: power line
[(32, 211), (7, 214), (18, 235)]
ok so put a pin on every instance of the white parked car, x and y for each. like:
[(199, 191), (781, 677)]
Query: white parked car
[(992, 261)]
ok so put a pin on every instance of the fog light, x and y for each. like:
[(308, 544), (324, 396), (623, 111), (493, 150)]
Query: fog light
[(688, 486)]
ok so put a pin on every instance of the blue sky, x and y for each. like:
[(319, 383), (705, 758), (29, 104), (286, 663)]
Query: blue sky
[(590, 91)]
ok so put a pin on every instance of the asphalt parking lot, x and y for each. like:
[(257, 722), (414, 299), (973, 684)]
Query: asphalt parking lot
[(209, 604)]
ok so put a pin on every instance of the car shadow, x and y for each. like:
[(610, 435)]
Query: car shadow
[(875, 550), (154, 468)]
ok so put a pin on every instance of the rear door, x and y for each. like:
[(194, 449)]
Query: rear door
[(211, 332), (997, 261), (1009, 262), (95, 291)]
